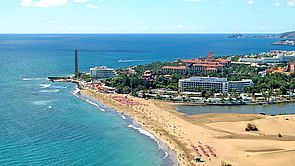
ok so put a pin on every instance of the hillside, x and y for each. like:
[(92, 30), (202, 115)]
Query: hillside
[(289, 35)]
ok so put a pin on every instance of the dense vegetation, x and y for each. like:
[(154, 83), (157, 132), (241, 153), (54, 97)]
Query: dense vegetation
[(127, 83), (280, 83), (270, 84)]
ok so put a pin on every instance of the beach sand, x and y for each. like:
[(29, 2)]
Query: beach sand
[(220, 134)]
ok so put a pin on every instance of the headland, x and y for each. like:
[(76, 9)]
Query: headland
[(286, 39)]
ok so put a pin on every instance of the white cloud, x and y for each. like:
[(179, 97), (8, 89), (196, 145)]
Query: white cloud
[(291, 2), (250, 2), (43, 3), (81, 1), (26, 2), (277, 3), (284, 3), (91, 6)]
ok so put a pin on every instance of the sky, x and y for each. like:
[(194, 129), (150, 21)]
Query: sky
[(147, 16)]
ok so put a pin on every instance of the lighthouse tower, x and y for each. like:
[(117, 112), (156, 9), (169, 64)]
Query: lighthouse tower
[(76, 63)]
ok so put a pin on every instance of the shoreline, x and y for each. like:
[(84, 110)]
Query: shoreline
[(132, 123)]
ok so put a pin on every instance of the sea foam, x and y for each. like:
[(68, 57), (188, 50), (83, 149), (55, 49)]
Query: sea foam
[(123, 117), (44, 86), (77, 94), (144, 132), (49, 91), (59, 87), (128, 60), (32, 79), (41, 102)]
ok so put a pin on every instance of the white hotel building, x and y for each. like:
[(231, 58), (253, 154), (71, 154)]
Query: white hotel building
[(218, 84), (279, 58), (101, 72)]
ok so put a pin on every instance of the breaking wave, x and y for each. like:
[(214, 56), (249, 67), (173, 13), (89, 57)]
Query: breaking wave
[(128, 60), (41, 102), (32, 79), (77, 94), (43, 86), (49, 91), (59, 87)]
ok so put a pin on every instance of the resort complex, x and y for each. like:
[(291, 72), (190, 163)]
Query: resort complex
[(206, 80)]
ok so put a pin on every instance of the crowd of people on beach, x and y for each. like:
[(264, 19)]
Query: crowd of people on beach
[(208, 151)]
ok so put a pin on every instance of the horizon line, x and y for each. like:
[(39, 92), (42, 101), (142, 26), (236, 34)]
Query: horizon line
[(130, 33), (143, 33)]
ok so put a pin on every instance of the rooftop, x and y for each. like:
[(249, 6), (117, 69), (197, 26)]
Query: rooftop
[(101, 68), (205, 79), (211, 69), (175, 67), (209, 65)]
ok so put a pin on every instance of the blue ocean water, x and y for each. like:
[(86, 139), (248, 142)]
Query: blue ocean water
[(44, 124)]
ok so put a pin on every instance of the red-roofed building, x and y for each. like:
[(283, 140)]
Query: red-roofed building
[(148, 76), (208, 60), (209, 64), (175, 69), (211, 70)]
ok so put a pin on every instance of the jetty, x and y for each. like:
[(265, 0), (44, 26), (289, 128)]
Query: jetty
[(59, 78)]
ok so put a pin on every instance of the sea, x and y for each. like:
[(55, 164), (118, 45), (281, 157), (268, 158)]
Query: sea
[(44, 123)]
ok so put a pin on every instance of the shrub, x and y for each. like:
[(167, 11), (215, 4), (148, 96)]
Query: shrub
[(223, 163), (280, 135), (251, 127)]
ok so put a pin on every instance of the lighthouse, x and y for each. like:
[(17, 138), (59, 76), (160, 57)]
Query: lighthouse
[(76, 63)]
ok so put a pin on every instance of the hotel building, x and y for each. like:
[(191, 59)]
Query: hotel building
[(175, 69), (101, 72), (281, 70), (278, 57), (238, 86), (209, 64), (219, 84)]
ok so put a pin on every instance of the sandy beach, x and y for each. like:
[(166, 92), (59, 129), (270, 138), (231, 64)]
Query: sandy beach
[(216, 137)]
